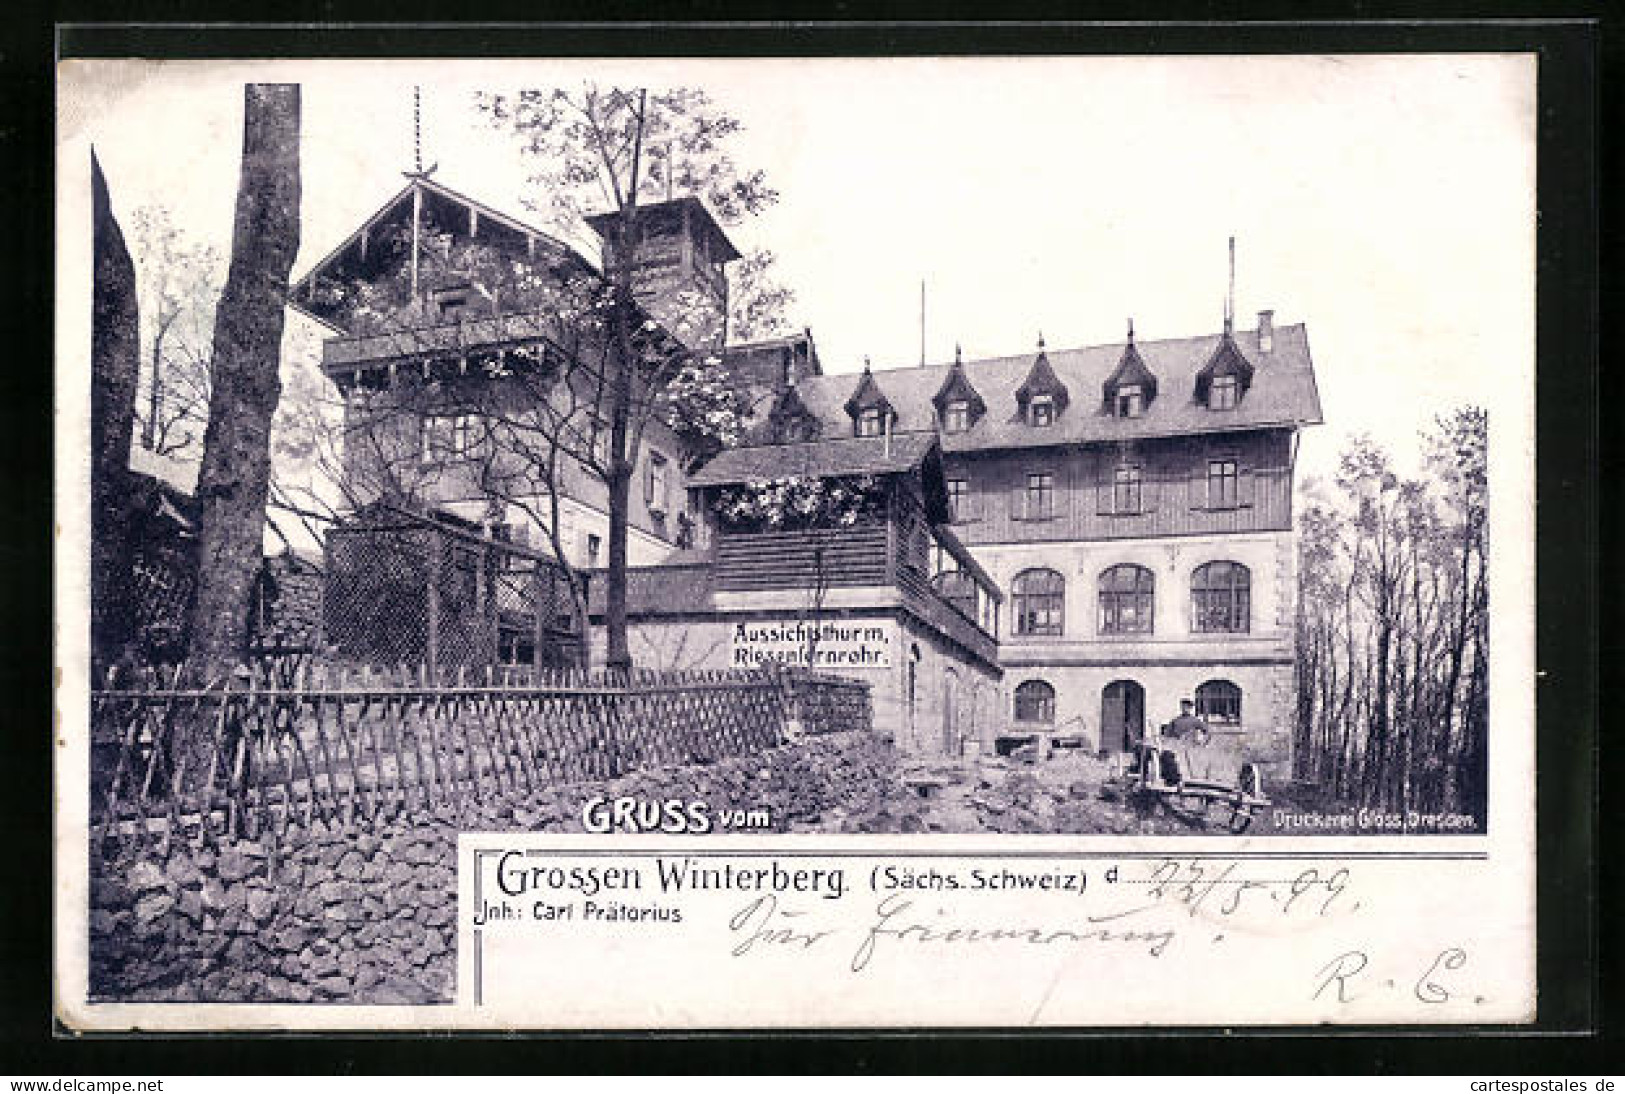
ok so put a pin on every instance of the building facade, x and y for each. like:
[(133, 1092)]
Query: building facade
[(1133, 503)]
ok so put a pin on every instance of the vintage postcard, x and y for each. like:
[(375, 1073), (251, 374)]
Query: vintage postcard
[(768, 543)]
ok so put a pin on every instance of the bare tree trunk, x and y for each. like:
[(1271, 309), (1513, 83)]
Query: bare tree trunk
[(115, 367), (155, 391), (618, 655), (235, 477)]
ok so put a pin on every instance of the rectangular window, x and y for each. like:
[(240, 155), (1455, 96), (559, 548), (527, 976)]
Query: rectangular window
[(871, 423), (594, 543), (1222, 394), (1130, 401), (1126, 612), (447, 436), (1221, 610), (1040, 496), (598, 440), (1127, 496), (1221, 484), (1042, 411), (657, 483), (956, 416), (959, 501)]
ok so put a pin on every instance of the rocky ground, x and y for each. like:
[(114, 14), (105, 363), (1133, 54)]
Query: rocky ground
[(1068, 793)]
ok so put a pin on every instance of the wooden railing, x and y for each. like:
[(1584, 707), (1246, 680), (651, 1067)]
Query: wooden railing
[(802, 559), (344, 748)]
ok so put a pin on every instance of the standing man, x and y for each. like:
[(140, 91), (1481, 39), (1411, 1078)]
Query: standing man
[(1191, 735), (1188, 725)]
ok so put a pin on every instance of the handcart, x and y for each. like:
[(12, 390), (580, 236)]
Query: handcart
[(1154, 772)]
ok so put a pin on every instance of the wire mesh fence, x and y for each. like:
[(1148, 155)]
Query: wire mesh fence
[(403, 588), (353, 747)]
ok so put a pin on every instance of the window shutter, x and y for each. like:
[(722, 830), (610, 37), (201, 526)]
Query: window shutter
[(1018, 498), (1103, 492), (1244, 486), (1148, 493), (1198, 485)]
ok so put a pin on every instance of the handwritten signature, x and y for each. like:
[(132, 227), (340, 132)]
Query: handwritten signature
[(1346, 977)]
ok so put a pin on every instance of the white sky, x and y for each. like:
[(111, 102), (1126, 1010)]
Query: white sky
[(1387, 202)]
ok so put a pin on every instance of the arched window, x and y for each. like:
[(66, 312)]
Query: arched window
[(1218, 702), (1221, 597), (1126, 600), (1040, 600), (1035, 702)]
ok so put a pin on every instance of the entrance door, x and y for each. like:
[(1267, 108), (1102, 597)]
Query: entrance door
[(1122, 714)]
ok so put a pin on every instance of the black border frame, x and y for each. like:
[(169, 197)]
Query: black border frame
[(1569, 521)]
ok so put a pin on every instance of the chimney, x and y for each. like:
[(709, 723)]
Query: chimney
[(1266, 331)]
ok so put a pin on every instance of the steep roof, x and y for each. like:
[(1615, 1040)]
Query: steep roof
[(1283, 393), (868, 395), (788, 408), (1131, 370), (1042, 380), (897, 454), (956, 385), (1227, 360), (347, 254)]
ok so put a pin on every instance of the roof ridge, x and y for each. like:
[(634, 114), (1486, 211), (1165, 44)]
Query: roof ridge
[(1139, 343)]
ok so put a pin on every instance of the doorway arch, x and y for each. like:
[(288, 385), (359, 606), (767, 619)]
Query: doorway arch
[(1122, 714)]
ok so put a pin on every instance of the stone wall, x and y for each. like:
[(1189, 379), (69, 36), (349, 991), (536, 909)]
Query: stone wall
[(368, 916)]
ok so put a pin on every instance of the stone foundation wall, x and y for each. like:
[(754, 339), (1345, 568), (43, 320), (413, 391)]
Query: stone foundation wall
[(369, 916)]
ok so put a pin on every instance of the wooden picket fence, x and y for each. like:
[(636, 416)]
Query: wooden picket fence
[(352, 747)]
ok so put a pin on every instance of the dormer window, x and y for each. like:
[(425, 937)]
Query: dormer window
[(1132, 386), (1130, 401), (871, 412), (1223, 382), (959, 407), (1042, 397)]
